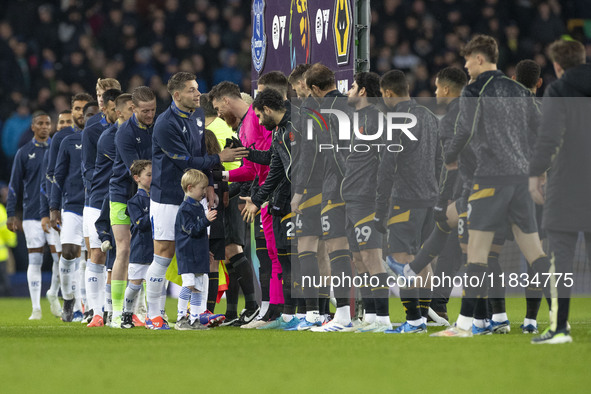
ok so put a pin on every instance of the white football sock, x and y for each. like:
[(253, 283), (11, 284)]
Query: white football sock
[(67, 270), (55, 275), (383, 319), (370, 317), (95, 282), (183, 302), (527, 321), (204, 291), (464, 322), (82, 282), (108, 299), (264, 309), (286, 317), (195, 306), (343, 315), (76, 287), (479, 323), (34, 279), (131, 293), (313, 316), (154, 283), (140, 301), (500, 317), (163, 298)]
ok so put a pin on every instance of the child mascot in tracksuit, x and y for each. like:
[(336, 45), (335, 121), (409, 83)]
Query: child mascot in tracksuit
[(192, 253)]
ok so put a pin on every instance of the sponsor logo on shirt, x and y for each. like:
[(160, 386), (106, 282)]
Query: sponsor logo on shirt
[(78, 146), (32, 156)]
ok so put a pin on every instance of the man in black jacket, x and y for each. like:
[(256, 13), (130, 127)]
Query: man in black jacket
[(359, 182), (321, 83), (269, 106), (561, 147), (495, 116), (409, 177)]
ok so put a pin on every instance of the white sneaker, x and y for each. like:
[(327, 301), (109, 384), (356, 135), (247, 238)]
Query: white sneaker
[(333, 326), (54, 304), (375, 327), (36, 315), (141, 309), (116, 322), (254, 324), (357, 323), (454, 331), (363, 324)]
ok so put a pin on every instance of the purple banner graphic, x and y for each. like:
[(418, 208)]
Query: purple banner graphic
[(301, 31)]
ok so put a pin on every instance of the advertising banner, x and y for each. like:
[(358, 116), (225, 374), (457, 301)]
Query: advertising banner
[(289, 32)]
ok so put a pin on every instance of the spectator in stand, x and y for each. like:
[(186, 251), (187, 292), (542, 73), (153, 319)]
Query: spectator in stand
[(45, 47), (14, 127)]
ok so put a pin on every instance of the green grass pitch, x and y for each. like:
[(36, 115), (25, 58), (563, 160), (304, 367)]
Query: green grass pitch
[(49, 356)]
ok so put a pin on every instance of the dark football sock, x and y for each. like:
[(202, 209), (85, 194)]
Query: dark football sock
[(496, 293), (264, 268), (289, 305), (381, 295), (246, 280), (432, 247), (533, 297), (367, 298), (232, 294), (481, 309), (340, 265), (473, 293), (424, 301), (410, 302), (310, 279), (212, 293), (302, 306), (324, 304)]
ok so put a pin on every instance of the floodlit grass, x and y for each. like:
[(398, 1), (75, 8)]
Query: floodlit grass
[(49, 356)]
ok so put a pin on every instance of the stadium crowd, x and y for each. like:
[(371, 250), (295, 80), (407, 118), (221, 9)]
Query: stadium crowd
[(132, 186), (72, 43)]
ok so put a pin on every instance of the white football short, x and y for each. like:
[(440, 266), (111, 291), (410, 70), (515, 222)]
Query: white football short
[(163, 217), (89, 218), (54, 240), (137, 271), (71, 232), (34, 234), (195, 280)]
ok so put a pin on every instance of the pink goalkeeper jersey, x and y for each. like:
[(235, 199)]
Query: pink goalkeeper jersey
[(252, 135)]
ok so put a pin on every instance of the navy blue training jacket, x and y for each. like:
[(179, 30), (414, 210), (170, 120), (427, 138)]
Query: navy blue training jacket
[(178, 144), (44, 186), (133, 142), (54, 148), (142, 244), (25, 179), (67, 191), (103, 167), (190, 235), (90, 136)]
